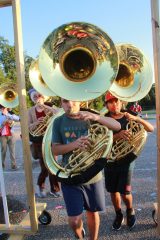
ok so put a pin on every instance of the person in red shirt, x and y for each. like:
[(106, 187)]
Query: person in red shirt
[(136, 108), (36, 116)]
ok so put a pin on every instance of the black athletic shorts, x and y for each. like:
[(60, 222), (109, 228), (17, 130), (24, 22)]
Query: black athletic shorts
[(118, 178)]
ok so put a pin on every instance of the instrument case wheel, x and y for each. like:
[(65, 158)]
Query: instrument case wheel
[(45, 218)]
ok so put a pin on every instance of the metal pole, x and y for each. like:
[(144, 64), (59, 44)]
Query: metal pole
[(3, 191), (156, 52)]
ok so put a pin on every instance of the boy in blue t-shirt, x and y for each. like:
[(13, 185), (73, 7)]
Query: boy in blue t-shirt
[(70, 133)]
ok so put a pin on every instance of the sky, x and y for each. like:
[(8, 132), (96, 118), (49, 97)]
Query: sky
[(124, 21)]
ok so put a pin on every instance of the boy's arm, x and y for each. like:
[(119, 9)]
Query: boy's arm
[(107, 121), (147, 126)]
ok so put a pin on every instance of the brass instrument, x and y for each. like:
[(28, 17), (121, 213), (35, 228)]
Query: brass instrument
[(37, 80), (134, 78), (121, 148), (8, 95), (101, 140), (41, 127), (78, 61), (80, 160)]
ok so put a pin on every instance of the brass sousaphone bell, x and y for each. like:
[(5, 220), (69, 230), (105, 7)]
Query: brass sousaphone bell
[(78, 61), (134, 78), (37, 81), (8, 95)]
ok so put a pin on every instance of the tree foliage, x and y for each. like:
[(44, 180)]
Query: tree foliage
[(7, 59)]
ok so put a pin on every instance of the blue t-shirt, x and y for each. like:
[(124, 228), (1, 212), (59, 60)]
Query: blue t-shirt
[(66, 130)]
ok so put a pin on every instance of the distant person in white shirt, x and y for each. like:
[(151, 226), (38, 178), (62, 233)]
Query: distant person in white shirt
[(7, 136)]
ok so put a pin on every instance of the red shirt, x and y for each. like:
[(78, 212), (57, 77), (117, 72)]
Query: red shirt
[(40, 114), (136, 108)]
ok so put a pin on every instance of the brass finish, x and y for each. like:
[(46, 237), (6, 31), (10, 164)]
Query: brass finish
[(134, 78), (125, 77), (78, 61), (99, 137), (37, 81), (78, 64), (136, 143), (8, 95), (41, 127)]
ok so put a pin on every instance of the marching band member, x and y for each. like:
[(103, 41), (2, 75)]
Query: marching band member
[(118, 174), (69, 133), (7, 136), (136, 108), (36, 116)]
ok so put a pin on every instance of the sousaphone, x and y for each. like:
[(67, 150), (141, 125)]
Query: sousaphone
[(78, 61), (37, 80), (9, 95), (134, 78)]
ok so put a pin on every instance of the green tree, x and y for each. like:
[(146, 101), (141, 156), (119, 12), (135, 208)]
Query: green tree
[(7, 59)]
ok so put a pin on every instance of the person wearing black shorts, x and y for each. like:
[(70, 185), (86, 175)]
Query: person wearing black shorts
[(69, 133), (118, 174)]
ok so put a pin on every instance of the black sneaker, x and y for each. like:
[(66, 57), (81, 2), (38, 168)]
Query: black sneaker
[(131, 218), (118, 221), (83, 234)]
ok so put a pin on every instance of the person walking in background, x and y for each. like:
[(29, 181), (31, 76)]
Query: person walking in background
[(70, 133), (7, 137), (36, 115), (118, 174), (137, 109)]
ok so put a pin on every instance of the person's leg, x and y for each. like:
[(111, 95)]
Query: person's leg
[(93, 222), (54, 183), (76, 225), (44, 172), (112, 179), (127, 196), (130, 212), (11, 145), (128, 200), (73, 198), (116, 200), (3, 140), (94, 201)]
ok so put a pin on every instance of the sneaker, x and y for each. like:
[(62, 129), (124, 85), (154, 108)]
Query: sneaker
[(118, 221), (55, 194), (83, 234), (131, 218), (41, 193), (14, 168)]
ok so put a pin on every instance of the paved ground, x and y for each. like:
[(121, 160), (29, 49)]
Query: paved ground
[(144, 193)]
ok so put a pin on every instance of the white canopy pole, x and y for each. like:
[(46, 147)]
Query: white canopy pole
[(3, 191), (156, 52)]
